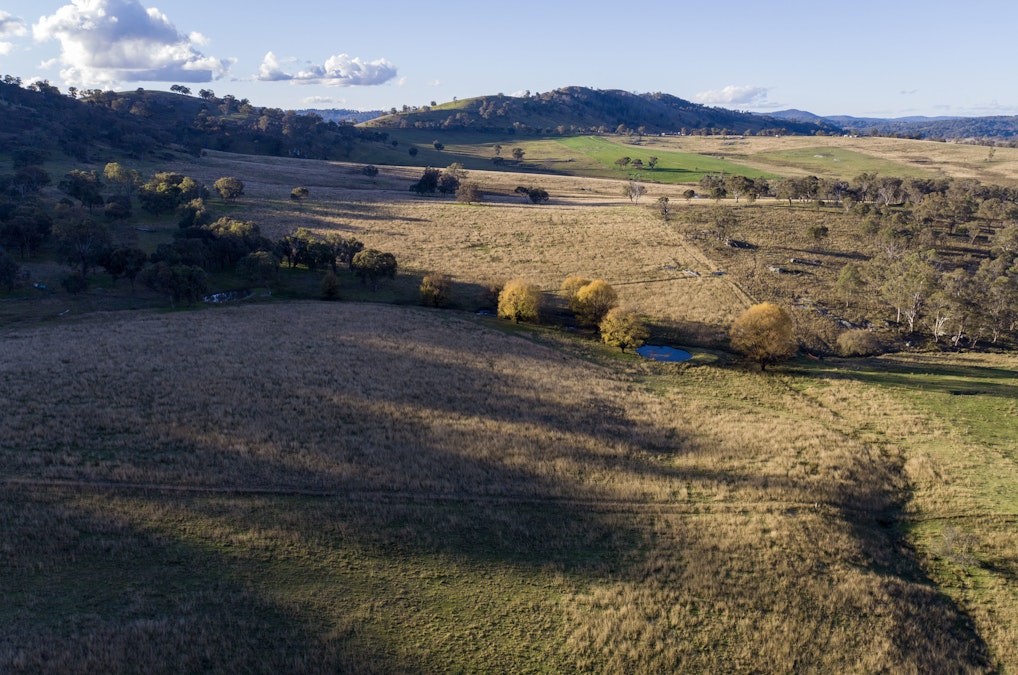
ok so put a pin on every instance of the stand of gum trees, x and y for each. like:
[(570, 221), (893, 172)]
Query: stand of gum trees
[(919, 225)]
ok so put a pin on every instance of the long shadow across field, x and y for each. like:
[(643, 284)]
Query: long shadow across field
[(417, 450)]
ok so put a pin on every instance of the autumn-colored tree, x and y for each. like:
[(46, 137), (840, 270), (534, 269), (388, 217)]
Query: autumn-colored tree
[(570, 287), (764, 333), (519, 301), (594, 300), (623, 328)]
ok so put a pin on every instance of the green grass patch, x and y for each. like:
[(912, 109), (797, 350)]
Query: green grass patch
[(672, 167), (837, 162)]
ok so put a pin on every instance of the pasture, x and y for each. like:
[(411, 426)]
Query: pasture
[(362, 487), (378, 488)]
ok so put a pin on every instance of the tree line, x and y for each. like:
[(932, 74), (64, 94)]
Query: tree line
[(81, 228)]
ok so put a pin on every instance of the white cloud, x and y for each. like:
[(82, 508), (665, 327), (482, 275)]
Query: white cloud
[(11, 26), (321, 100), (733, 95), (338, 71), (108, 41)]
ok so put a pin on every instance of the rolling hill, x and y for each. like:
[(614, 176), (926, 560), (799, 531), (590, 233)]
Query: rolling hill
[(572, 110)]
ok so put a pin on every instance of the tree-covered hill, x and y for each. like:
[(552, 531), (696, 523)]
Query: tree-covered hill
[(94, 124), (573, 110), (952, 128)]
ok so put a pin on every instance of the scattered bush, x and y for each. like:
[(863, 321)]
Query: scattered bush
[(535, 194), (330, 286), (860, 342), (229, 188), (74, 284), (468, 193)]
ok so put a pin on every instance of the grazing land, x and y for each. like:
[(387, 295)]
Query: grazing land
[(380, 488), (371, 486)]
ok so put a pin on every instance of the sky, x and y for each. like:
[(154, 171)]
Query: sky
[(890, 58)]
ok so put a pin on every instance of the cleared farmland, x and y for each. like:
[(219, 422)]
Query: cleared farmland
[(381, 488)]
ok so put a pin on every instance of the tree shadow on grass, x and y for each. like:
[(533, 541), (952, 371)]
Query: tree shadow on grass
[(402, 444), (945, 378), (87, 590)]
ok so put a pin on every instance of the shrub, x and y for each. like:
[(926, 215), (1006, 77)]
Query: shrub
[(435, 290), (330, 286), (860, 342)]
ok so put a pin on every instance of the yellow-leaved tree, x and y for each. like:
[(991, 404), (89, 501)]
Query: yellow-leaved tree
[(589, 300), (519, 300), (623, 328), (764, 333)]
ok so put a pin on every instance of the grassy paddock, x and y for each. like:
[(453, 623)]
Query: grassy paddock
[(380, 488)]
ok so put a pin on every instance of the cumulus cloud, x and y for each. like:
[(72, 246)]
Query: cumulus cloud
[(733, 95), (338, 71), (10, 26), (108, 41)]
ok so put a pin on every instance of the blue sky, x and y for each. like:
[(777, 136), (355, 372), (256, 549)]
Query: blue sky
[(866, 58)]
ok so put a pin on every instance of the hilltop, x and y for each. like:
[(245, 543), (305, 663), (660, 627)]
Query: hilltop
[(577, 110)]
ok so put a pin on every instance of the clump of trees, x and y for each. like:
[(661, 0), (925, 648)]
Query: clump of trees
[(536, 195), (589, 300), (764, 333)]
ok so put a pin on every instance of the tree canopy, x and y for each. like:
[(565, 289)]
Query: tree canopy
[(519, 300), (764, 333)]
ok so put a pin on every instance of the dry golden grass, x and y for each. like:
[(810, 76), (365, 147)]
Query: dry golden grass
[(889, 156), (400, 489), (587, 229)]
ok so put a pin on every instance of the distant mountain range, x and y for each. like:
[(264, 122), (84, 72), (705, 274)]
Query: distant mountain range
[(946, 127)]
